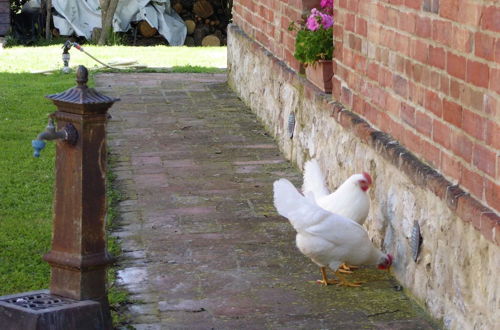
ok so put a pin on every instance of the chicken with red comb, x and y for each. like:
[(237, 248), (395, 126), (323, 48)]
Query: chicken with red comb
[(327, 238)]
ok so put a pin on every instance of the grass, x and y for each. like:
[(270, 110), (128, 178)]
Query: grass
[(26, 183), (32, 59)]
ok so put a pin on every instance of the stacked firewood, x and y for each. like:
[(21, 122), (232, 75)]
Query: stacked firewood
[(206, 20)]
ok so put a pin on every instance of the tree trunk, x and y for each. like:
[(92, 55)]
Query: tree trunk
[(108, 8), (48, 6)]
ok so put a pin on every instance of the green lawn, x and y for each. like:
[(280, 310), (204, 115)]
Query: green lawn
[(26, 183), (31, 59)]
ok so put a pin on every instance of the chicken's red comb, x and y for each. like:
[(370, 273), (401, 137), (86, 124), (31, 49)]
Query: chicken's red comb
[(368, 178), (390, 257)]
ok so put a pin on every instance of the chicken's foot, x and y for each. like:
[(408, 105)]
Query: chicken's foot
[(347, 269), (342, 281), (325, 281)]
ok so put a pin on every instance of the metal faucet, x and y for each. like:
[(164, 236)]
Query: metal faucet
[(68, 134)]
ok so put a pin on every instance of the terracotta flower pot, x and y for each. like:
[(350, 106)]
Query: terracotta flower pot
[(320, 74)]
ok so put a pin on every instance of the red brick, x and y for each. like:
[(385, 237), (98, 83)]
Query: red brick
[(491, 106), (352, 5), (462, 145), (472, 98), (473, 182), (449, 9), (495, 80), (433, 103), (431, 154), (478, 73), (484, 159), (456, 65), (469, 13), (354, 42), (492, 194), (452, 113), (350, 22), (493, 135), (445, 84), (484, 46), (474, 125), (416, 93), (491, 19), (346, 97), (407, 22), (412, 141), (393, 105), (361, 26), (385, 77), (423, 123), (415, 4), (408, 114), (396, 130), (451, 166), (392, 16), (437, 57), (441, 133), (423, 27), (456, 89), (435, 80), (336, 88), (372, 71), (420, 51), (461, 40), (497, 59), (372, 114), (402, 44), (357, 104), (400, 85), (441, 31)]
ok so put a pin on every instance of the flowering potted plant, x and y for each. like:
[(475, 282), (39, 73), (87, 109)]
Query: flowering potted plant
[(314, 45)]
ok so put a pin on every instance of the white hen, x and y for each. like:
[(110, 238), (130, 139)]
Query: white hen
[(350, 200), (328, 239)]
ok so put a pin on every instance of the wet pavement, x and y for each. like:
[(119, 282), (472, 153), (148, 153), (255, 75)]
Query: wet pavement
[(203, 245)]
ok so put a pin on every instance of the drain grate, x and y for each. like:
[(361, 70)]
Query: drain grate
[(39, 301)]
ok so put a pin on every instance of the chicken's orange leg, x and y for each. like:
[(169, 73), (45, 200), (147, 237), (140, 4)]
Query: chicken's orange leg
[(344, 282), (347, 269), (325, 281)]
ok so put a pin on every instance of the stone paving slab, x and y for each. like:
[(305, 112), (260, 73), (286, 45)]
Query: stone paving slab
[(203, 245)]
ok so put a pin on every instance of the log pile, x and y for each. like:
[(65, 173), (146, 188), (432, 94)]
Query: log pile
[(206, 21)]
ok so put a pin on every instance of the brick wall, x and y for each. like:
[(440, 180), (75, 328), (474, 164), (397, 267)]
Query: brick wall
[(4, 17), (427, 72), (267, 22)]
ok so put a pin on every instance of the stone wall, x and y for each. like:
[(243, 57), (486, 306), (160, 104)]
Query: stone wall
[(455, 276)]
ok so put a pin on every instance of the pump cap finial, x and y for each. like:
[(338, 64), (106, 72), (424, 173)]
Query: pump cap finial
[(82, 75)]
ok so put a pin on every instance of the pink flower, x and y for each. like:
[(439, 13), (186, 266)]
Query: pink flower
[(326, 3), (313, 20), (326, 21), (317, 19)]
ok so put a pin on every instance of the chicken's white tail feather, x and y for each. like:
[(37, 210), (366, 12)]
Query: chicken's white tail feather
[(314, 181), (285, 197), (299, 210)]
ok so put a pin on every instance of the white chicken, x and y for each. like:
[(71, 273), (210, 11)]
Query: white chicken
[(350, 200), (328, 239)]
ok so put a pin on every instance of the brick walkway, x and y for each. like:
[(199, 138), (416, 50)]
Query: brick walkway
[(204, 248)]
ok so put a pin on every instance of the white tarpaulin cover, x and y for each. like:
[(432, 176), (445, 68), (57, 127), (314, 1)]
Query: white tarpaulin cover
[(81, 17)]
